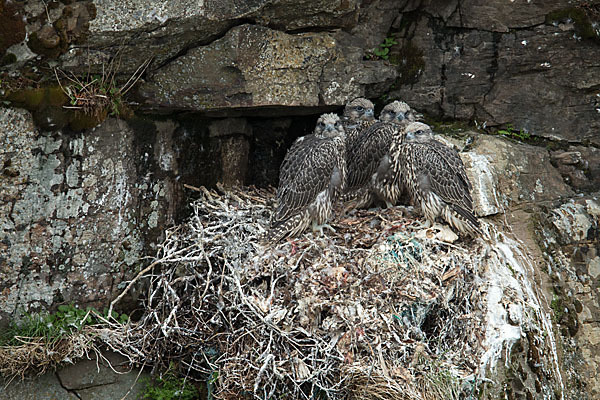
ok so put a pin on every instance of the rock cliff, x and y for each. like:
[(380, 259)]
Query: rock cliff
[(216, 91)]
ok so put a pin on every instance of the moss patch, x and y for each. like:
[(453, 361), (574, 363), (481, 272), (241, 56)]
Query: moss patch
[(170, 386), (450, 128), (36, 98), (47, 105)]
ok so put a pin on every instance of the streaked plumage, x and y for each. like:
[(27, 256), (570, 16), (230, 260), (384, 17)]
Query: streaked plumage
[(358, 115), (311, 179), (370, 177), (435, 177)]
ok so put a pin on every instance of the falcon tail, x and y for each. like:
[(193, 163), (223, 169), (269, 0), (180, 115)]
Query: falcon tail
[(282, 229), (465, 221)]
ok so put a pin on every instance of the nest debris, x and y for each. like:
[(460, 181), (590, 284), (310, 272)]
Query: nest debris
[(380, 309), (370, 311)]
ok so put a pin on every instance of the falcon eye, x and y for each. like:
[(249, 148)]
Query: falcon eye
[(321, 124), (337, 123), (359, 108), (420, 132)]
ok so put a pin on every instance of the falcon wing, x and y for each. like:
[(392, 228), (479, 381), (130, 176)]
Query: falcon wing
[(366, 153), (454, 160), (306, 171), (446, 177), (353, 131)]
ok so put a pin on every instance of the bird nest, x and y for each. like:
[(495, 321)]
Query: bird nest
[(378, 309)]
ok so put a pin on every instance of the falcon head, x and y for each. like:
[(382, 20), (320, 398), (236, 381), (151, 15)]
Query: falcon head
[(359, 109), (329, 126), (397, 111), (418, 132)]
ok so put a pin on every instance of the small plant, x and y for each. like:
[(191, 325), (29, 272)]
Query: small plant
[(97, 94), (53, 327), (44, 341), (557, 306), (521, 135), (170, 387), (383, 51)]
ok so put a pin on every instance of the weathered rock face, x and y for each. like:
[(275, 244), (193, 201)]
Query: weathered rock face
[(75, 215), (511, 175), (218, 55), (89, 379), (78, 211), (569, 236), (531, 65), (579, 166), (253, 66)]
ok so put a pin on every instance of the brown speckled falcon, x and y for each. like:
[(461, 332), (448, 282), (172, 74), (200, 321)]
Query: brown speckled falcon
[(398, 112), (358, 115), (370, 177), (311, 178), (435, 177)]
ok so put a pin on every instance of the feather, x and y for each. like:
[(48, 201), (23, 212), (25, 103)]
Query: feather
[(311, 178)]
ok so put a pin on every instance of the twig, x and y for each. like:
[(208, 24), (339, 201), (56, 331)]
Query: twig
[(138, 276)]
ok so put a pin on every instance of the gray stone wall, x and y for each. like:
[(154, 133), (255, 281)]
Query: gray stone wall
[(529, 64), (78, 211)]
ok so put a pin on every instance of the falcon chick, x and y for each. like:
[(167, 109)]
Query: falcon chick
[(435, 178), (311, 178), (398, 112), (370, 176), (358, 115)]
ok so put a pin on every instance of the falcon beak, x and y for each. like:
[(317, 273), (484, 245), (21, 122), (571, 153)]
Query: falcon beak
[(400, 117), (329, 128), (369, 113)]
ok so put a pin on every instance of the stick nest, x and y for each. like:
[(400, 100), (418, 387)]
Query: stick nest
[(376, 310), (380, 309)]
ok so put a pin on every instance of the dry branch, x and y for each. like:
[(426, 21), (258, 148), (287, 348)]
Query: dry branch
[(309, 316)]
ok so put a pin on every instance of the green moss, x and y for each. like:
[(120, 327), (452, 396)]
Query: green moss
[(81, 121), (564, 314), (28, 98), (169, 387), (47, 103), (36, 98), (55, 96), (557, 306), (449, 128), (579, 16)]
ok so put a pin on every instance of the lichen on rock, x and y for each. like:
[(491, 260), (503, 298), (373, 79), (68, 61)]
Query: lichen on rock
[(69, 220)]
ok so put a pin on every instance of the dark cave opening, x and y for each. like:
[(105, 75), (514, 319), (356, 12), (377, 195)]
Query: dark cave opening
[(246, 150)]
